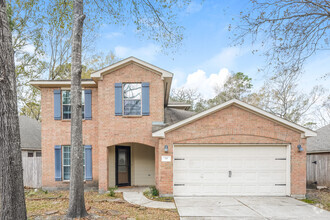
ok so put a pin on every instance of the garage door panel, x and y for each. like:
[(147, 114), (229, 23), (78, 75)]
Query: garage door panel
[(205, 170)]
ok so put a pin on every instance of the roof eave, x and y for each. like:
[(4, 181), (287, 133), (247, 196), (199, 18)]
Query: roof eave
[(53, 83)]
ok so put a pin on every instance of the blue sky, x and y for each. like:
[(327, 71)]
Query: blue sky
[(206, 56)]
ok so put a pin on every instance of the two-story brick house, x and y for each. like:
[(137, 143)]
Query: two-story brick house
[(133, 135)]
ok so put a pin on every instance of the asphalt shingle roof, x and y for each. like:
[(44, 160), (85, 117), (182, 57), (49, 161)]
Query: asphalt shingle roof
[(172, 116), (320, 143), (30, 131)]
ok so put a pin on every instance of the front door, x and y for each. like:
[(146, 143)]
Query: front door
[(123, 166)]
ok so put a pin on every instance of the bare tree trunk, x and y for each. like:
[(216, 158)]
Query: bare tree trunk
[(77, 201), (11, 172)]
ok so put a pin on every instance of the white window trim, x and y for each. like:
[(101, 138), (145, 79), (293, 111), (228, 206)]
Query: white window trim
[(62, 162), (123, 99)]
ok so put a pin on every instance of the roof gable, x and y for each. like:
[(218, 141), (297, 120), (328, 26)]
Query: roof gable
[(30, 131), (305, 131), (98, 74)]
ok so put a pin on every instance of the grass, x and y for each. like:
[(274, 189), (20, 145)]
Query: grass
[(308, 201), (45, 204), (150, 194)]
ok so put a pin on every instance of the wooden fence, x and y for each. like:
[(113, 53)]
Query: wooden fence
[(318, 170), (32, 171)]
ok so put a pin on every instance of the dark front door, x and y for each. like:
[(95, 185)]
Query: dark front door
[(123, 166)]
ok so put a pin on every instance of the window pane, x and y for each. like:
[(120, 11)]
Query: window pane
[(30, 154), (66, 111), (132, 107), (66, 97), (132, 90), (66, 104), (67, 161), (38, 154), (66, 173)]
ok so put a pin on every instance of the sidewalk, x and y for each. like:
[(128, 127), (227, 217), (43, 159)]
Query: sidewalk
[(139, 199)]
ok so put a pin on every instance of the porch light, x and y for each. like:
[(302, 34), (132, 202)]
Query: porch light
[(300, 148), (166, 149)]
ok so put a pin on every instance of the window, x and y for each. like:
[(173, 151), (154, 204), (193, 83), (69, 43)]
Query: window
[(66, 104), (132, 98), (30, 154), (38, 154), (67, 162)]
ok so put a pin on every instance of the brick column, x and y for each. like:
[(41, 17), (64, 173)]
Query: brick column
[(165, 173), (103, 169)]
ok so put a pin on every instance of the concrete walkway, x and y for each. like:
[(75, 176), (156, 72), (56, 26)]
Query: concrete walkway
[(247, 208), (135, 196)]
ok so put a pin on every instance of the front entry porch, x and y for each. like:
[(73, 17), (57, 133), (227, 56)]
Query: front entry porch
[(131, 164)]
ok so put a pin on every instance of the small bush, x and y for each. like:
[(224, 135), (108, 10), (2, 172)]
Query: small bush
[(112, 191), (154, 191)]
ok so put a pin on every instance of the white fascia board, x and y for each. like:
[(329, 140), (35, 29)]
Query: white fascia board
[(179, 105), (98, 74), (50, 83), (161, 133)]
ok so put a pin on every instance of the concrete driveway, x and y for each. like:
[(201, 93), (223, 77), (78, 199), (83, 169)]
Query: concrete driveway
[(247, 208)]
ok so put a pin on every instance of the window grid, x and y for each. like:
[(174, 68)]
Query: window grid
[(132, 97), (66, 149), (66, 104)]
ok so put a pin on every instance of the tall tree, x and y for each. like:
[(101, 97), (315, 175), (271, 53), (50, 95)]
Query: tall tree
[(77, 201), (91, 64), (280, 96), (322, 113), (189, 96), (290, 31), (237, 86), (11, 172), (42, 42), (158, 19)]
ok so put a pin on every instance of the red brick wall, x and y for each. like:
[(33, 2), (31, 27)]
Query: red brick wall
[(105, 129), (58, 132), (230, 125), (115, 130), (233, 125)]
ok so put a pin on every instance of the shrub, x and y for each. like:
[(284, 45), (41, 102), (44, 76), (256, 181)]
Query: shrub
[(112, 191), (154, 191)]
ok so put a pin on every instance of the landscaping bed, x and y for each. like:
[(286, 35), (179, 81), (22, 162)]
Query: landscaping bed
[(42, 204), (319, 198), (153, 194)]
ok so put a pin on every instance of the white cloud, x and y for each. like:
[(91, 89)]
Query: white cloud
[(226, 57), (148, 52), (113, 35), (206, 84), (29, 48)]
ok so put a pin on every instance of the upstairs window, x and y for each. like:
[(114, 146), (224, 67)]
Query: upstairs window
[(132, 94), (66, 104)]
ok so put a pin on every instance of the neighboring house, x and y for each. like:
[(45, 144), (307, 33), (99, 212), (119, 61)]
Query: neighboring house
[(133, 135), (318, 158), (30, 131)]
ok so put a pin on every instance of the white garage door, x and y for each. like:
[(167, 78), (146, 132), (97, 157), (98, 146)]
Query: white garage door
[(211, 170)]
